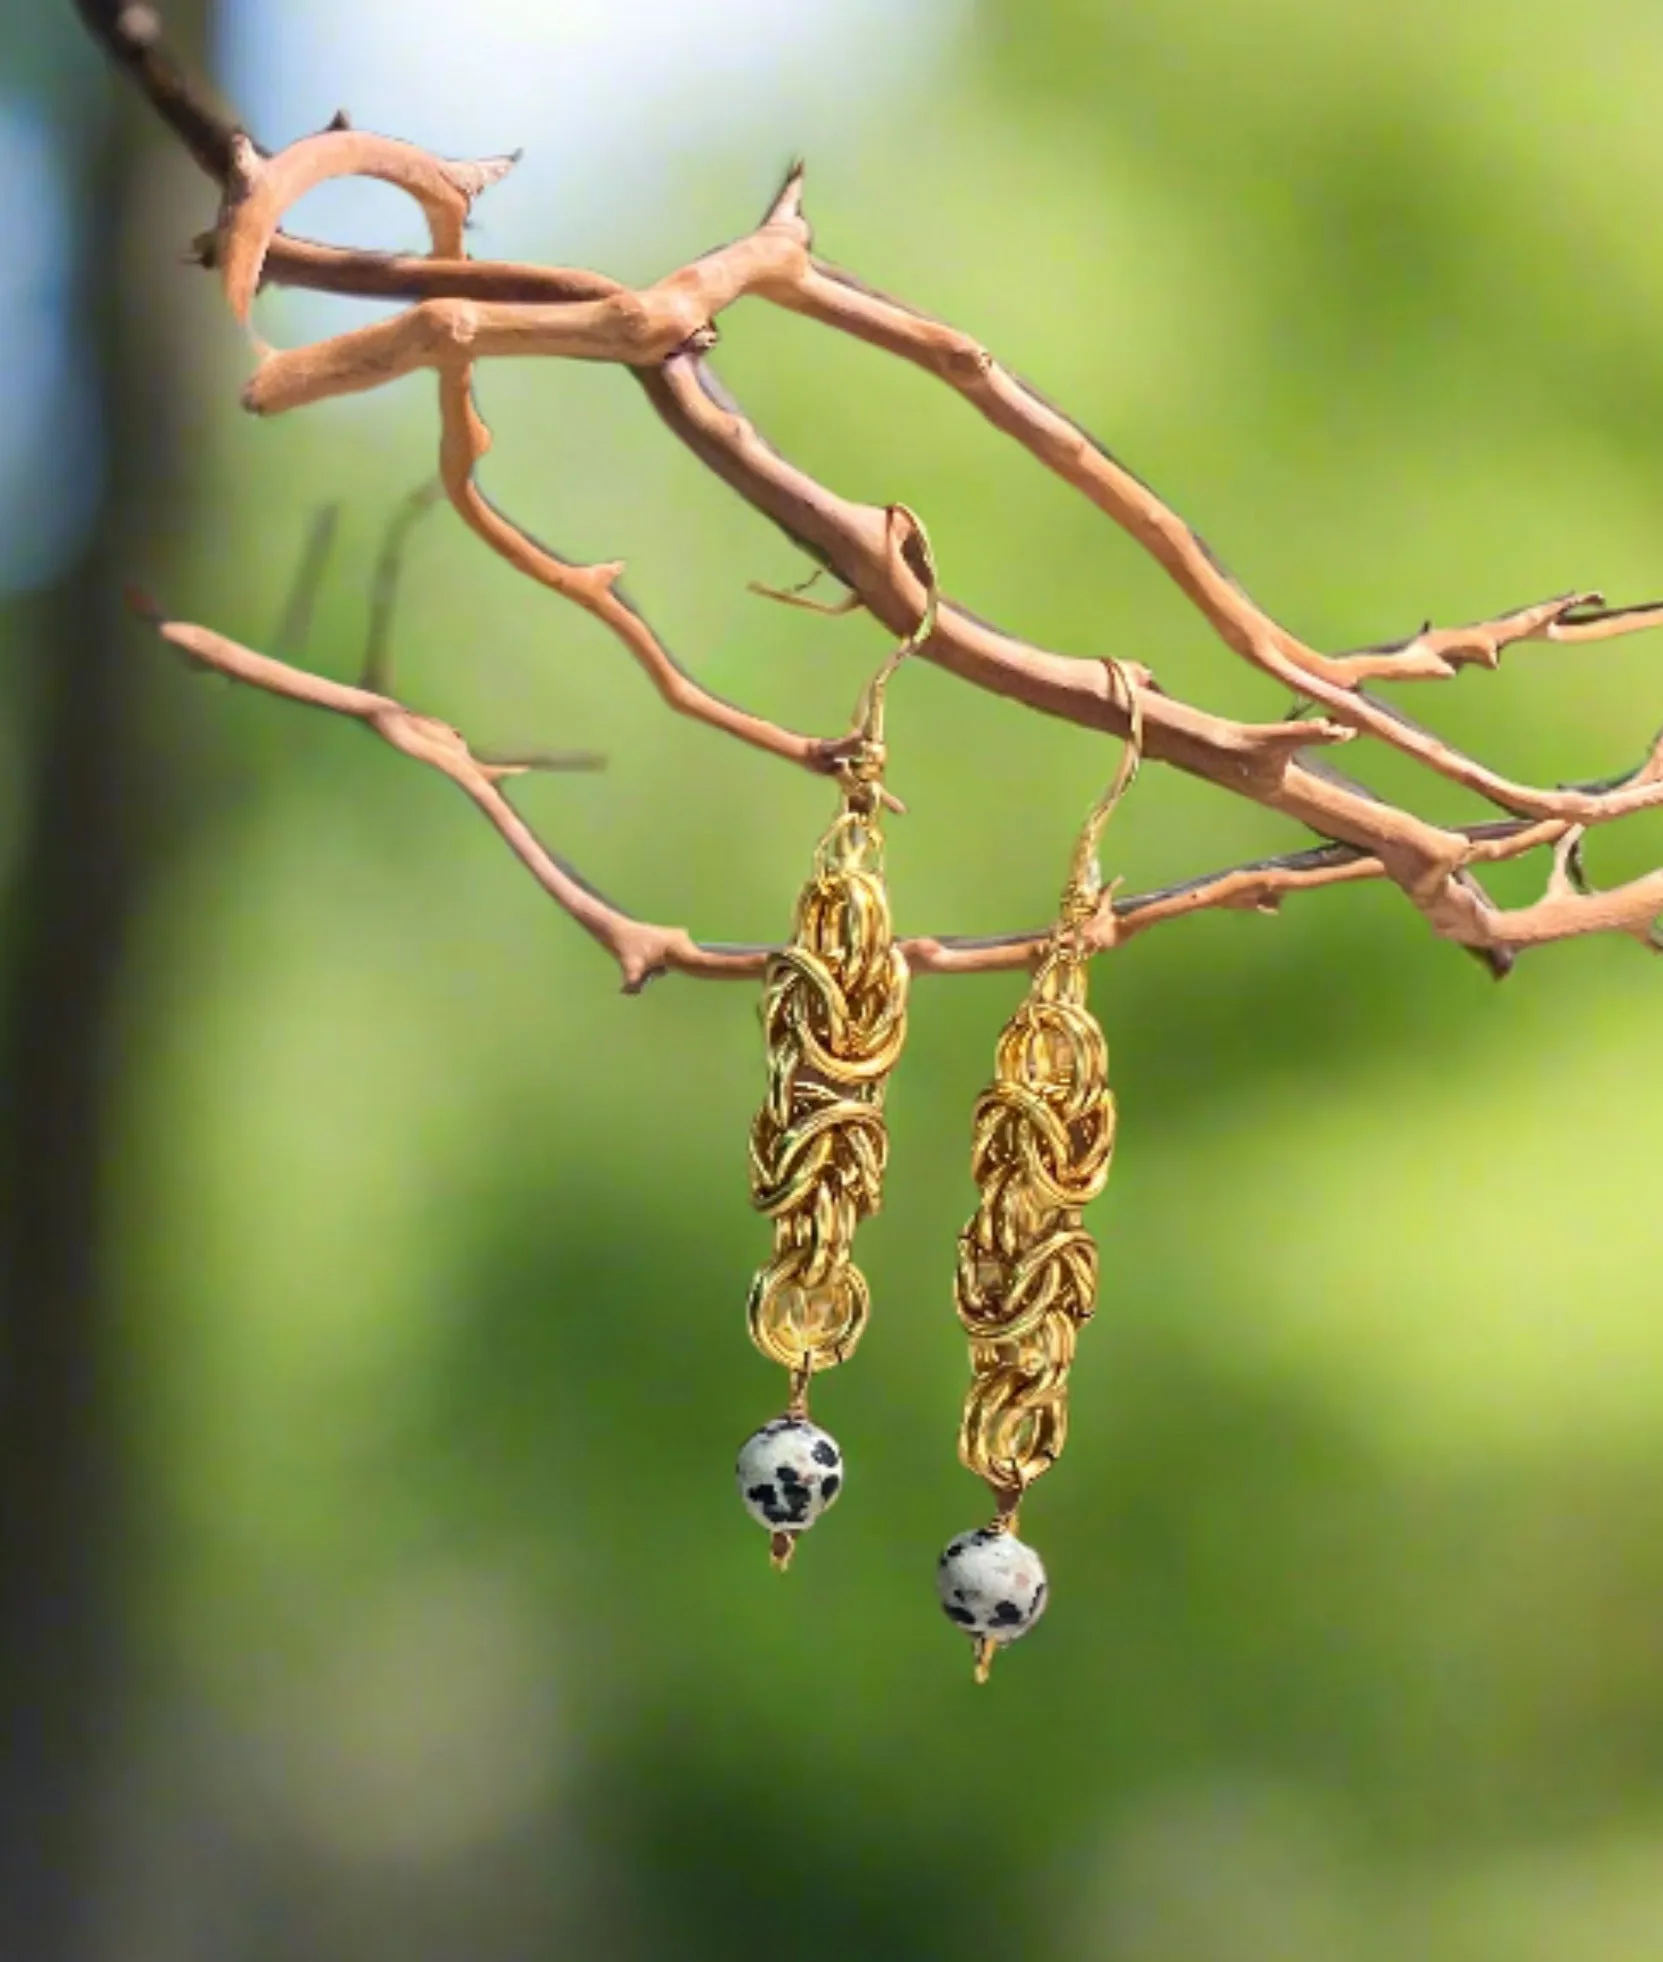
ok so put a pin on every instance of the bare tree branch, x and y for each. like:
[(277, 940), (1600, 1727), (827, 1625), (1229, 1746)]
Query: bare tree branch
[(464, 310), (644, 950)]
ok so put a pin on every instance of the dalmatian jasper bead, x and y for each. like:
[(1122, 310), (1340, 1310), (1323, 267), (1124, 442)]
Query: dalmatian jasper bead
[(789, 1472), (991, 1585)]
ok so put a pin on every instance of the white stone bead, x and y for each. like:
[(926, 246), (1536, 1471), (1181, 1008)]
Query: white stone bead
[(991, 1585), (789, 1472)]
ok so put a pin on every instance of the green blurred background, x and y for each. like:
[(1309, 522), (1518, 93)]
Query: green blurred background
[(372, 1581)]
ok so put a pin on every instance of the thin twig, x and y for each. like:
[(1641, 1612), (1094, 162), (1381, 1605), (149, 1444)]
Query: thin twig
[(389, 568), (294, 628)]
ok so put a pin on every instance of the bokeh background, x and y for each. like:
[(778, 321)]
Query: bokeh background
[(372, 1583)]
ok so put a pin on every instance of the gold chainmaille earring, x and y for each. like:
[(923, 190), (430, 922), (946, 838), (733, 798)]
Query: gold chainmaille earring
[(1026, 1284), (834, 1019)]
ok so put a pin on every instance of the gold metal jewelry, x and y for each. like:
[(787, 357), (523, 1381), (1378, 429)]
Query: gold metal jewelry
[(834, 1019), (1027, 1266)]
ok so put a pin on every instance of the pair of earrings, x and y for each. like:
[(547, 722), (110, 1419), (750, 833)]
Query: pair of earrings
[(834, 1015)]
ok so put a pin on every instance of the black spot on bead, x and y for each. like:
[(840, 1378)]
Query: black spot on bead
[(829, 1486), (962, 1616), (1006, 1615), (1039, 1596), (825, 1452), (794, 1504), (764, 1496)]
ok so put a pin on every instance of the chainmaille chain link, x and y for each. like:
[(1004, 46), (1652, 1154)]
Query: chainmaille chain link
[(1027, 1268), (1041, 1147), (834, 1019)]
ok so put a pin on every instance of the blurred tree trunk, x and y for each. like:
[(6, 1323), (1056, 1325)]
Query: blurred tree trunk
[(88, 846)]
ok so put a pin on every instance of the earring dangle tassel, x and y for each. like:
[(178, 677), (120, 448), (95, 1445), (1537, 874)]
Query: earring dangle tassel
[(834, 1012), (1026, 1284)]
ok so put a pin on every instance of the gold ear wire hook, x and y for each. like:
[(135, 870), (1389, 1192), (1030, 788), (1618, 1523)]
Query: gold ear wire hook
[(1084, 889), (869, 713)]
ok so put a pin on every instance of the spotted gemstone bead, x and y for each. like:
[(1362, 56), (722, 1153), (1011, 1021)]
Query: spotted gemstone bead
[(991, 1585), (789, 1472)]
